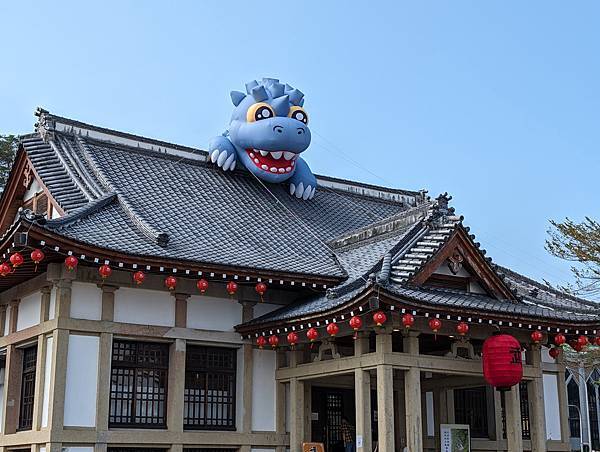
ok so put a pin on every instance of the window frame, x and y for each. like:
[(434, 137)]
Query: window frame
[(28, 377)]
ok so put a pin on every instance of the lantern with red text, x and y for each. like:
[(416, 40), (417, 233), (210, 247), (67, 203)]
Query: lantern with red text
[(71, 262), (274, 341), (435, 325), (379, 318), (408, 320), (261, 342), (355, 324), (333, 329), (202, 285), (232, 288), (105, 271), (4, 269), (260, 288), (16, 259), (138, 277), (536, 337), (170, 282), (462, 328), (560, 339), (554, 352), (292, 339), (502, 363)]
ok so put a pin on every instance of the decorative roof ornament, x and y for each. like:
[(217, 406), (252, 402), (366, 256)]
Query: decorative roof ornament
[(267, 133)]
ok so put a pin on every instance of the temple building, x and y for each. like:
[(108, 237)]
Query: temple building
[(150, 301)]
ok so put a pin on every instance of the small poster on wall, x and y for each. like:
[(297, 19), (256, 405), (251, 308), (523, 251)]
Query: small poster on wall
[(455, 438)]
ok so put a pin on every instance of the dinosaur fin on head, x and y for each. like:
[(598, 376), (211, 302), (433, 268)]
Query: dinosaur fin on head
[(237, 97), (281, 105), (269, 81), (276, 89), (301, 102), (251, 85), (288, 87), (295, 96), (259, 93)]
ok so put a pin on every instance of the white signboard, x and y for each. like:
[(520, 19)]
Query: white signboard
[(455, 438)]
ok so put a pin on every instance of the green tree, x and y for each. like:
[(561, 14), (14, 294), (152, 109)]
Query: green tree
[(8, 147), (578, 243)]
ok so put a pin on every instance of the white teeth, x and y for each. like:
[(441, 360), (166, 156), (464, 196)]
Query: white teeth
[(252, 155), (288, 155), (276, 155), (256, 161), (288, 169), (263, 153), (273, 169), (293, 163), (265, 167), (281, 170)]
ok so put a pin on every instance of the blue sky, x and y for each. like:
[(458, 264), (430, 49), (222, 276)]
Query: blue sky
[(495, 102)]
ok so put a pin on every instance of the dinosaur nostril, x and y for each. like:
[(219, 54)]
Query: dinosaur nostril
[(278, 129)]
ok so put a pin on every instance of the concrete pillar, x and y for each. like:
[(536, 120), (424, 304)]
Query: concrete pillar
[(12, 389), (414, 416), (385, 408), (280, 413), (439, 412), (181, 300), (362, 393), (563, 403), (13, 316), (104, 382), (45, 305), (176, 388), (537, 413), (514, 432), (108, 301), (298, 417), (361, 344), (60, 348), (63, 298)]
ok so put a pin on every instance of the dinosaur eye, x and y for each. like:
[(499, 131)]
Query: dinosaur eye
[(299, 114), (259, 111)]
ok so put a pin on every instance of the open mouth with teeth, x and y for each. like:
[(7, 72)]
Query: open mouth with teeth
[(276, 162)]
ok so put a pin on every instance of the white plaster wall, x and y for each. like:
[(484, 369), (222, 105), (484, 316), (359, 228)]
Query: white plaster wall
[(263, 390), (546, 358), (264, 308), (81, 386), (551, 406), (7, 320), (52, 307), (474, 286), (42, 449), (78, 449), (34, 188), (210, 313), (144, 307), (86, 301), (262, 450), (430, 415), (29, 311), (46, 393)]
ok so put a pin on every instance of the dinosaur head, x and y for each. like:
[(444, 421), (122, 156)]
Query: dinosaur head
[(269, 128)]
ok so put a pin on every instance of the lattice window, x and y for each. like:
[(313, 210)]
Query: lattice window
[(209, 398), (470, 407), (27, 388), (139, 377)]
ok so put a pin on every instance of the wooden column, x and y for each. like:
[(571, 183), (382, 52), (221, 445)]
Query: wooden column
[(298, 416), (40, 372), (176, 388), (3, 313), (12, 389), (563, 402), (412, 397), (63, 298), (361, 344), (537, 413), (45, 305), (514, 432), (362, 393), (60, 348), (385, 407), (13, 316), (181, 300), (108, 301), (104, 382)]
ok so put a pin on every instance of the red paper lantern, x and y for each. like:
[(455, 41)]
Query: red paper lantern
[(139, 276), (105, 271), (170, 282), (261, 341), (292, 339), (4, 269), (554, 352), (408, 320), (502, 363), (379, 318), (260, 288), (333, 329), (312, 334), (537, 336), (232, 288), (560, 339), (462, 328), (37, 256), (356, 323), (202, 285), (435, 325), (274, 341), (597, 341), (71, 262), (576, 346), (16, 259), (582, 341)]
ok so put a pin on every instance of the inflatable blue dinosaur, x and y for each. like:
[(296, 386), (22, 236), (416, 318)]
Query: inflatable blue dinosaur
[(267, 133)]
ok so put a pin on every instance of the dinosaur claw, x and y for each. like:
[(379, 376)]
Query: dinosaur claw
[(292, 189), (307, 192), (299, 190), (214, 155), (232, 167), (222, 158), (228, 162), (312, 195)]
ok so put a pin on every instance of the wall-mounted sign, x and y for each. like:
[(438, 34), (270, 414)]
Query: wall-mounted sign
[(455, 438), (313, 447)]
